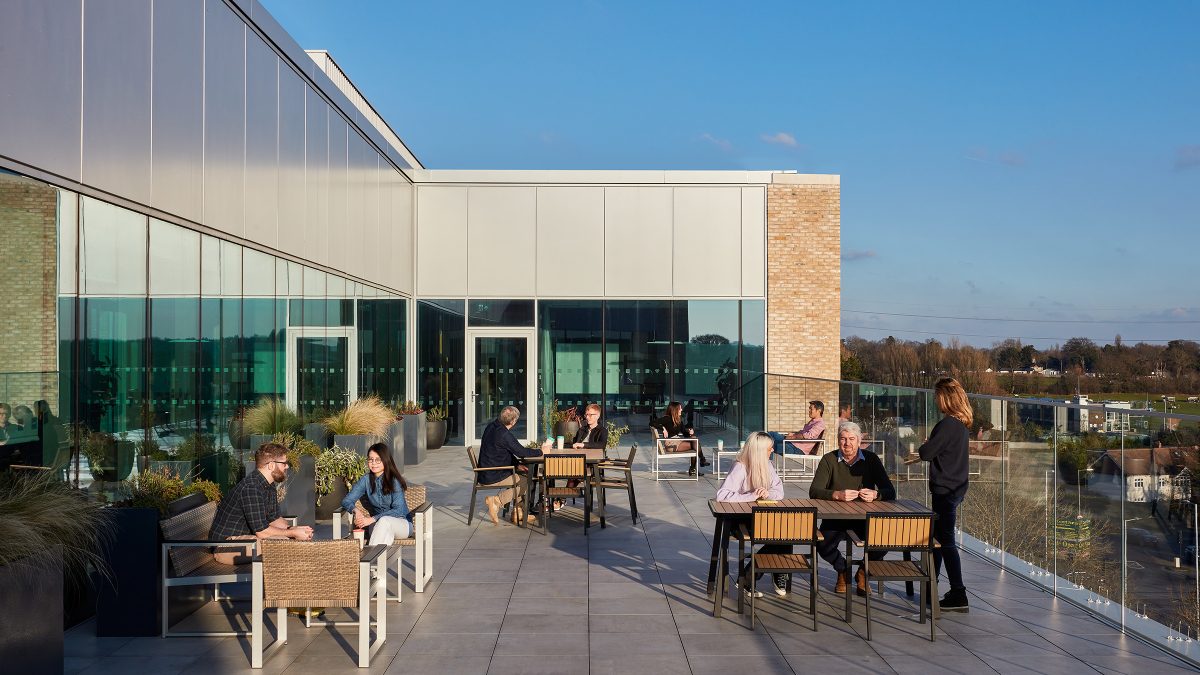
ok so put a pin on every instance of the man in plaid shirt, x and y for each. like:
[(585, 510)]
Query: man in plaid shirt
[(251, 509)]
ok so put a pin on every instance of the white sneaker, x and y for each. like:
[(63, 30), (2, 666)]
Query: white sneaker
[(752, 592), (781, 586)]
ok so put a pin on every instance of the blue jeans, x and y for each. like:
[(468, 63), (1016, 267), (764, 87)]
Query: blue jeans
[(946, 509)]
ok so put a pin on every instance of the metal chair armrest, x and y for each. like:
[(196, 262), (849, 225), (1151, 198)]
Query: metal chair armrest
[(854, 538), (425, 506), (370, 553)]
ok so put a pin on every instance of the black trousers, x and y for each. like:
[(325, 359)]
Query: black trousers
[(946, 508), (835, 534)]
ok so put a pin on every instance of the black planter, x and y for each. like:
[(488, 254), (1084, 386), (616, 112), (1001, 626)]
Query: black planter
[(215, 467), (412, 428), (332, 501), (128, 603), (238, 437), (32, 605), (117, 464), (567, 430), (300, 499), (317, 433), (435, 434)]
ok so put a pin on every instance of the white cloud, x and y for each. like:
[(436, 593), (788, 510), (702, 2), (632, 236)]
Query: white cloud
[(780, 138), (723, 144)]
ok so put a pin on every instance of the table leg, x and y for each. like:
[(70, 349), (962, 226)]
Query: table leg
[(908, 585), (851, 584), (722, 569), (712, 561)]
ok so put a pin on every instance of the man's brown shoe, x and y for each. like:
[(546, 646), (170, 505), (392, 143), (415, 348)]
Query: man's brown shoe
[(860, 578), (493, 507), (843, 580)]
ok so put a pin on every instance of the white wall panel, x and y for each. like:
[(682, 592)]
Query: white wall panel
[(224, 118), (178, 109), (501, 235), (637, 241), (337, 251), (400, 257), (441, 235), (116, 98), (754, 241), (355, 230), (707, 235), (262, 147), (371, 248), (291, 192), (316, 177), (570, 241)]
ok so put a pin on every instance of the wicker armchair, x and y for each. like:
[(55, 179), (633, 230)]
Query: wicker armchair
[(421, 541), (318, 573)]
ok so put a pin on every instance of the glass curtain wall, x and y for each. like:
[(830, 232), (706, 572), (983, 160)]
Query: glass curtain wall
[(441, 341)]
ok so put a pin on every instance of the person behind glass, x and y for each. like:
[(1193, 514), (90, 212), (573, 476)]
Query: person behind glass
[(753, 477), (592, 435), (947, 452), (387, 517), (7, 427), (813, 429), (846, 475), (672, 426), (251, 509), (498, 447), (23, 436)]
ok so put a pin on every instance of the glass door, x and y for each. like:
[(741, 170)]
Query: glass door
[(499, 375), (321, 373)]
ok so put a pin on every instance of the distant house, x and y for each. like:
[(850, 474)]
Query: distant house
[(1148, 473)]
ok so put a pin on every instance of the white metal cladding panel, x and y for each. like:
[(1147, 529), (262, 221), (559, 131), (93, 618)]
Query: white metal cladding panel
[(40, 84), (501, 235), (355, 230), (291, 200), (178, 109), (637, 241), (116, 98), (338, 248), (316, 177), (754, 241), (262, 148), (570, 241), (707, 236), (441, 241), (399, 257), (369, 248), (224, 118)]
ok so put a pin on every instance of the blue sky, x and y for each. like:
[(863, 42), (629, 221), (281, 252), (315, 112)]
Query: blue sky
[(1032, 161)]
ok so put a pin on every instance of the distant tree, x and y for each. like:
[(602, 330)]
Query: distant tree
[(1081, 351), (710, 339)]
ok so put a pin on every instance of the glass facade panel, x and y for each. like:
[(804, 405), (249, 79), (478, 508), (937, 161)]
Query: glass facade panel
[(441, 338), (749, 398), (174, 361), (174, 259), (572, 359), (705, 364), (501, 380), (381, 348), (513, 313), (637, 334), (113, 250), (112, 365)]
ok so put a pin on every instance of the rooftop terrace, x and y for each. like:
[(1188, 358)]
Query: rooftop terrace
[(630, 599)]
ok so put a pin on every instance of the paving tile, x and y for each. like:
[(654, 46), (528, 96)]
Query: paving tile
[(545, 623), (947, 665), (530, 646), (722, 664), (625, 664), (621, 644), (839, 664), (448, 644), (120, 665), (642, 624), (648, 606), (550, 589), (569, 606), (458, 622), (515, 664), (748, 644)]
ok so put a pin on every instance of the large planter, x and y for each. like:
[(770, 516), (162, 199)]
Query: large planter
[(257, 440), (238, 437), (435, 434), (317, 433), (415, 438), (301, 496), (356, 442), (567, 430), (32, 606), (117, 465), (332, 501), (128, 603), (215, 467)]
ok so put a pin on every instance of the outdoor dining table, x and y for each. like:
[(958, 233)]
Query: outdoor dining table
[(590, 458), (726, 514)]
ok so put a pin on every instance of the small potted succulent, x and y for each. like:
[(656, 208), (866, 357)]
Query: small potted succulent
[(435, 427)]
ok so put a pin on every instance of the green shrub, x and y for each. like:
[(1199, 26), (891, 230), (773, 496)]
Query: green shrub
[(366, 416), (155, 489), (271, 416), (338, 463)]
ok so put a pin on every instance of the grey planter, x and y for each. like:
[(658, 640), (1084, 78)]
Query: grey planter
[(32, 604), (332, 501), (356, 442), (415, 441), (301, 496), (435, 434), (257, 440), (317, 433)]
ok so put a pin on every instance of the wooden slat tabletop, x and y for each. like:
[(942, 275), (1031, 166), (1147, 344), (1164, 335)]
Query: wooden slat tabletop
[(826, 508), (589, 456)]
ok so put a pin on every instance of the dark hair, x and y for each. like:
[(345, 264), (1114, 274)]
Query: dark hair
[(390, 472), (818, 405), (269, 452)]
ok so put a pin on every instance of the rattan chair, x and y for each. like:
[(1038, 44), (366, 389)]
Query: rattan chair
[(604, 482), (907, 533), (318, 573), (794, 525), (565, 468), (476, 487), (663, 450), (421, 541)]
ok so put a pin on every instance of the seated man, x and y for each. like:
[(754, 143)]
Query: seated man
[(846, 475), (814, 428), (498, 447), (251, 509)]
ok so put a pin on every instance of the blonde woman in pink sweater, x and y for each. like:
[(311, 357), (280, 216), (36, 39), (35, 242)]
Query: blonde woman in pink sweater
[(753, 477)]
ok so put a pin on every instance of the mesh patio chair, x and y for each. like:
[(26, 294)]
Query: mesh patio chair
[(565, 468), (604, 482), (421, 541), (476, 487), (786, 525), (318, 573), (907, 533)]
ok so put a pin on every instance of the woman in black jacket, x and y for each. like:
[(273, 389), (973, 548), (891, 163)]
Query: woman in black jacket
[(671, 425), (947, 452)]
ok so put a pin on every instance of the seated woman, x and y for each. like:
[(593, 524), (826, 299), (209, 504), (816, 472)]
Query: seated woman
[(592, 435), (752, 478), (383, 487), (671, 425)]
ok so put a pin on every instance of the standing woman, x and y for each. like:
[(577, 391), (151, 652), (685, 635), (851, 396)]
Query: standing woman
[(753, 477), (672, 426), (383, 487), (947, 452)]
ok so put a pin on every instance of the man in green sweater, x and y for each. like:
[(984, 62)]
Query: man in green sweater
[(848, 474)]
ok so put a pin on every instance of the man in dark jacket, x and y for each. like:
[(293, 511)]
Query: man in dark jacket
[(498, 447), (846, 475)]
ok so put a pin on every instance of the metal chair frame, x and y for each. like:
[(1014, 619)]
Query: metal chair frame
[(560, 467), (422, 546), (661, 453), (907, 533), (476, 487), (626, 483), (808, 462), (794, 525)]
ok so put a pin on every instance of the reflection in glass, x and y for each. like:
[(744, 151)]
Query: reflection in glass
[(441, 337), (322, 375), (501, 380), (112, 364), (174, 359), (513, 313), (638, 333), (705, 364), (381, 348), (572, 363)]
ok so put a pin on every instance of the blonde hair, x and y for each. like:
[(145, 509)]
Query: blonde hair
[(756, 458), (952, 400)]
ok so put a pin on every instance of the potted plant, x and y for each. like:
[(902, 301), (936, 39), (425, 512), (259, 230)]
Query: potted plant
[(435, 427), (181, 460), (268, 417), (360, 424), (614, 434), (412, 419), (315, 429), (563, 422), (110, 459), (52, 533), (336, 469), (297, 494), (239, 438)]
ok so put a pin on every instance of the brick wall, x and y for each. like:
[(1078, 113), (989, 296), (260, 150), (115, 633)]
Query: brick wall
[(804, 289), (28, 289)]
